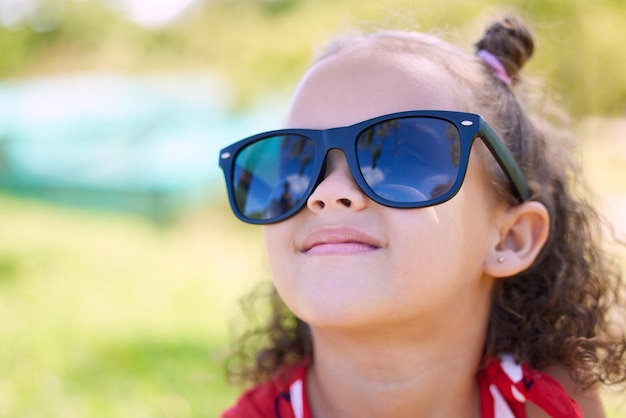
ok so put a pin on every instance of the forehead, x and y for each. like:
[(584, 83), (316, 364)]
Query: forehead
[(366, 80)]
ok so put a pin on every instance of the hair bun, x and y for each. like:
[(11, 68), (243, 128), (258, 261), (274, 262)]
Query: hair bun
[(511, 42)]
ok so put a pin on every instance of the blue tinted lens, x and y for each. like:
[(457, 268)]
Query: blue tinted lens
[(410, 160), (272, 175)]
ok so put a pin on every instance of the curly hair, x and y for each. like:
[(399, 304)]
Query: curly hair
[(556, 312)]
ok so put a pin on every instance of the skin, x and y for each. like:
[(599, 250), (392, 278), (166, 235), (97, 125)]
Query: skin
[(392, 294)]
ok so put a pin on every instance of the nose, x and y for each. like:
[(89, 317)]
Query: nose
[(338, 190)]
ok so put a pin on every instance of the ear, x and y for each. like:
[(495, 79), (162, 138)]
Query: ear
[(522, 233)]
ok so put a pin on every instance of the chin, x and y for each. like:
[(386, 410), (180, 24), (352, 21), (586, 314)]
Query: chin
[(341, 315)]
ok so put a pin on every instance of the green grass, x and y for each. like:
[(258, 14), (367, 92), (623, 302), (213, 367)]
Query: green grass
[(108, 315)]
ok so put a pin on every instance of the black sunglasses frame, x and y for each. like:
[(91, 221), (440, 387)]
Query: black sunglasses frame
[(469, 125)]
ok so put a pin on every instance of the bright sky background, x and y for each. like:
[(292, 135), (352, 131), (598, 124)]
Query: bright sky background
[(147, 13), (154, 13)]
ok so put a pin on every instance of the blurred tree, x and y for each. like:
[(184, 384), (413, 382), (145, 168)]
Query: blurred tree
[(263, 46)]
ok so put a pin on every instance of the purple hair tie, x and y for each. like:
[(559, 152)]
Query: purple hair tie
[(496, 65)]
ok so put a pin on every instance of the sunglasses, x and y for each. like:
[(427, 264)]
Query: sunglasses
[(409, 159)]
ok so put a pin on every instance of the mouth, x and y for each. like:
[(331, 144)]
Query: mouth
[(344, 240)]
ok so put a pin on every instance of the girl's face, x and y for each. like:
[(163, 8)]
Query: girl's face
[(346, 262)]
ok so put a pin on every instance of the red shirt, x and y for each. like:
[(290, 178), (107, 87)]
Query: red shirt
[(505, 387)]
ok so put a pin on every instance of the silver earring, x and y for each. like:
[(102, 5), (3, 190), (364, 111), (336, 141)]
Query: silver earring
[(500, 259)]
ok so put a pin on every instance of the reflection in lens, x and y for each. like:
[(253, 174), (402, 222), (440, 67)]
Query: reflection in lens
[(272, 175), (413, 159), (372, 175)]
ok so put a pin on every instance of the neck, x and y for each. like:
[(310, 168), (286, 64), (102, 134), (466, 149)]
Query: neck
[(392, 375)]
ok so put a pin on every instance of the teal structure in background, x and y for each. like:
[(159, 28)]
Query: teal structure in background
[(143, 144)]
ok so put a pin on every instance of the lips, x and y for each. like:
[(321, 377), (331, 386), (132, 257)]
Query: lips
[(343, 240)]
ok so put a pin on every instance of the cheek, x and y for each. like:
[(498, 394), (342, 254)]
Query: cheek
[(420, 238), (441, 243), (280, 252), (275, 242)]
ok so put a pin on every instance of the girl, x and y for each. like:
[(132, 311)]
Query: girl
[(429, 262)]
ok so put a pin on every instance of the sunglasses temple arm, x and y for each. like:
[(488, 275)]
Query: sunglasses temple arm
[(505, 159)]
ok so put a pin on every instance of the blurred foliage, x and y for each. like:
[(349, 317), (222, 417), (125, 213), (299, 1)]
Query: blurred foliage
[(263, 46)]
